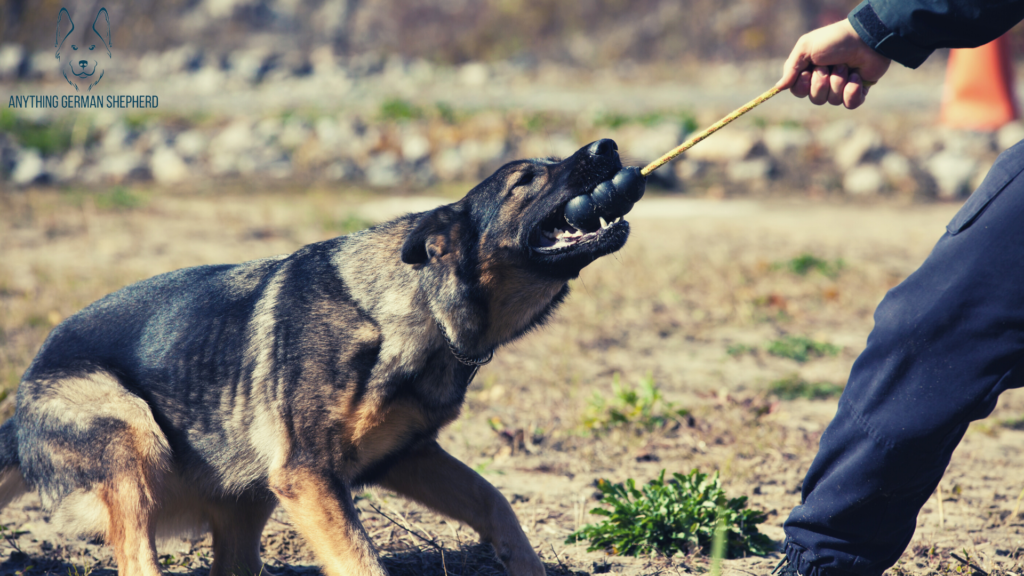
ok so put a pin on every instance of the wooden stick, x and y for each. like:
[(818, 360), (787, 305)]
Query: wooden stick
[(709, 131)]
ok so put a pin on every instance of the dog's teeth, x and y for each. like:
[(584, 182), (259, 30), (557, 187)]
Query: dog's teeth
[(604, 223)]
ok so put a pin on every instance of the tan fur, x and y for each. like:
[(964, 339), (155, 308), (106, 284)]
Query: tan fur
[(326, 518), (131, 529), (237, 528), (515, 297), (437, 480)]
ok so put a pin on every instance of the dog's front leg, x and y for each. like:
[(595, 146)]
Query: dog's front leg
[(433, 477), (321, 509)]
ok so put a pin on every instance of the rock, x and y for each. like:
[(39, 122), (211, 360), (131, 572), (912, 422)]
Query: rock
[(124, 166), (28, 169), (415, 146), (782, 140), (648, 143), (968, 142), (11, 58), (755, 169), (489, 150), (294, 133), (952, 173), (474, 74), (1009, 135), (70, 165), (688, 168), (327, 132), (725, 146), (857, 147), (864, 180), (382, 170), (834, 134), (235, 138), (116, 138), (896, 166), (191, 143), (167, 166), (449, 164)]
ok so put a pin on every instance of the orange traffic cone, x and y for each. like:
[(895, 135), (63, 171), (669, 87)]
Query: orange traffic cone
[(979, 87)]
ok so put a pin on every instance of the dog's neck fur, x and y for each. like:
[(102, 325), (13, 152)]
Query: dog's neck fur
[(481, 311)]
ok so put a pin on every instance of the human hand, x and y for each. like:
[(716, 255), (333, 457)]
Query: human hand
[(832, 64)]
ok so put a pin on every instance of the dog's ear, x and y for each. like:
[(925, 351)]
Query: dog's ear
[(430, 237), (64, 28), (99, 27)]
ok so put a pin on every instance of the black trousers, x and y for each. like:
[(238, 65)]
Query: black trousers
[(946, 343)]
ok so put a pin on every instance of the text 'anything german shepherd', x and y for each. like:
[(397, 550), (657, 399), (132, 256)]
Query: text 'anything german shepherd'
[(205, 397)]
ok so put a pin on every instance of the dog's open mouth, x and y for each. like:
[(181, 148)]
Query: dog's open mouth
[(555, 234), (586, 217)]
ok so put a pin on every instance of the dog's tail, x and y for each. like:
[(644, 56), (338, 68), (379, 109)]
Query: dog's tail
[(12, 483)]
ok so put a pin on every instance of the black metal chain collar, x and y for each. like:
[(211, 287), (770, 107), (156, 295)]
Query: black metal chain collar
[(463, 358)]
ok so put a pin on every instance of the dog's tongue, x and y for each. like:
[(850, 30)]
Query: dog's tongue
[(609, 200)]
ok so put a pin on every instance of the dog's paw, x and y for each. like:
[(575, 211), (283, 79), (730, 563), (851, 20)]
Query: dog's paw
[(524, 563)]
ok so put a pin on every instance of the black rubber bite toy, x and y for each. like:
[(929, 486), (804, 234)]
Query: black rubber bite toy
[(609, 200)]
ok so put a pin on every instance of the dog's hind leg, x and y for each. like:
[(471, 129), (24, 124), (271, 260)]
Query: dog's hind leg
[(432, 477), (94, 449), (12, 483), (237, 527), (321, 509)]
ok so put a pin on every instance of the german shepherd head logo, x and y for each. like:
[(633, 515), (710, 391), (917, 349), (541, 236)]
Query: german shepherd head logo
[(83, 52)]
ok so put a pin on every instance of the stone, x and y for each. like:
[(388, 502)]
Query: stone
[(115, 139), (235, 138), (782, 140), (415, 146), (474, 74), (857, 147), (832, 135), (1009, 135), (752, 170), (191, 143), (725, 146), (864, 180), (952, 173), (648, 143), (327, 132), (449, 164), (293, 134), (382, 170), (896, 166), (968, 142), (11, 57), (124, 166), (688, 169), (167, 167), (28, 169), (70, 164)]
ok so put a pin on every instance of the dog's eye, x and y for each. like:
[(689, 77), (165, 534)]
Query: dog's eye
[(524, 179)]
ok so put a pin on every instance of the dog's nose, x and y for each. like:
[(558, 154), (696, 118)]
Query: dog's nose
[(603, 147), (83, 63)]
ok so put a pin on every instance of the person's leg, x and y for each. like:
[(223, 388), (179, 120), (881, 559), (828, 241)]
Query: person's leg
[(946, 343)]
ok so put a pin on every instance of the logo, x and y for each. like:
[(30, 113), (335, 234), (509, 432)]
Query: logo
[(83, 55)]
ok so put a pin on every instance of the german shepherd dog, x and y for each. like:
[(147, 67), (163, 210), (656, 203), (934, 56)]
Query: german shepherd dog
[(202, 398)]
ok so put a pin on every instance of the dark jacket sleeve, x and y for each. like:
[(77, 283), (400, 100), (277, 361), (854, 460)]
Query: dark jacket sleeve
[(907, 31)]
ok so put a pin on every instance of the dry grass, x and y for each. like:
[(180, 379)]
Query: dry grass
[(685, 290)]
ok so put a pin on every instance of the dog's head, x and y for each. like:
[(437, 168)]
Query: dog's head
[(83, 51), (508, 248), (518, 215)]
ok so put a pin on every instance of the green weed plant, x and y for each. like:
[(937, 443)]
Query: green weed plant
[(793, 387), (801, 348), (680, 516), (806, 263), (641, 409)]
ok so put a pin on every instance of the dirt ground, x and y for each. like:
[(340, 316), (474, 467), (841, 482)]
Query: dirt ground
[(693, 300)]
